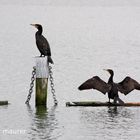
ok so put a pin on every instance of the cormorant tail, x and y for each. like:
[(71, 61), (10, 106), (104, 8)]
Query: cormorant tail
[(120, 101), (50, 60)]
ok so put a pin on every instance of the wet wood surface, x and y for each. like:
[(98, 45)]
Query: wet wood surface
[(96, 103)]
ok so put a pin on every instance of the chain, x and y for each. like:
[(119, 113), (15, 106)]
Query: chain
[(31, 85), (52, 85)]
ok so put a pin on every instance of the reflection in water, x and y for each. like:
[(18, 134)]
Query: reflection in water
[(3, 107), (44, 123), (120, 112), (108, 122), (112, 111), (90, 114)]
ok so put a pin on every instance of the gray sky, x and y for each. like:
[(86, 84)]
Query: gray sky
[(75, 2)]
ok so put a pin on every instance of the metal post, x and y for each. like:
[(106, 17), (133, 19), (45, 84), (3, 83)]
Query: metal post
[(42, 74)]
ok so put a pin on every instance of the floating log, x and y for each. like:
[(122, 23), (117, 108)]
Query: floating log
[(3, 102), (42, 74), (97, 103)]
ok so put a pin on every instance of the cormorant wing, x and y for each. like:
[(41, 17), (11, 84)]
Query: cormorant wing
[(127, 85), (95, 83), (43, 45)]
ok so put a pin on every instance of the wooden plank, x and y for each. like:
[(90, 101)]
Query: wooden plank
[(3, 102), (96, 104)]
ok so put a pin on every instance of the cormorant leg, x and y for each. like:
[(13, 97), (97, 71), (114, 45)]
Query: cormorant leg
[(109, 101), (115, 100)]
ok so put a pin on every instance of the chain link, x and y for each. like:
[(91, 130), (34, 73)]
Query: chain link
[(52, 85), (31, 85)]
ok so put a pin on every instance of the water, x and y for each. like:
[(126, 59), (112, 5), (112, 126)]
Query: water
[(85, 38)]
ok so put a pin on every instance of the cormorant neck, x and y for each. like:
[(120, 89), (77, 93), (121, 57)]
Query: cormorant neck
[(40, 30), (111, 78)]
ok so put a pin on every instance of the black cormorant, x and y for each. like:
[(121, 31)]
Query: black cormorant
[(125, 87), (42, 43)]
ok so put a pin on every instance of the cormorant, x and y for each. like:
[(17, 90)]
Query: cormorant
[(125, 87), (42, 43)]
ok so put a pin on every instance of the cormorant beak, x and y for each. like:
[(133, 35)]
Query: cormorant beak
[(33, 25), (106, 70)]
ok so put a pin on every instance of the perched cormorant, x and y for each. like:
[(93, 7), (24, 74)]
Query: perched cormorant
[(42, 43), (125, 87)]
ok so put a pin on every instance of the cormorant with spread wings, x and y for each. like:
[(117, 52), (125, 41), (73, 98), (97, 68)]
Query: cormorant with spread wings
[(125, 87)]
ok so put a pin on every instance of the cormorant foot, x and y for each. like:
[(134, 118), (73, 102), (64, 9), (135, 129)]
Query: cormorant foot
[(109, 103)]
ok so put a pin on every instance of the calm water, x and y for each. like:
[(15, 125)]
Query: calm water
[(84, 40)]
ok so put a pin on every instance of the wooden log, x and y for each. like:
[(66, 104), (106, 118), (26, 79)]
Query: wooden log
[(3, 102), (42, 74), (96, 104)]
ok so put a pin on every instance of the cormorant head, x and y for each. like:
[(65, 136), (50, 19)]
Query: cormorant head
[(110, 71), (38, 26)]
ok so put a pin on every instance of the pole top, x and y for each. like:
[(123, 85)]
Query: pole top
[(42, 67)]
